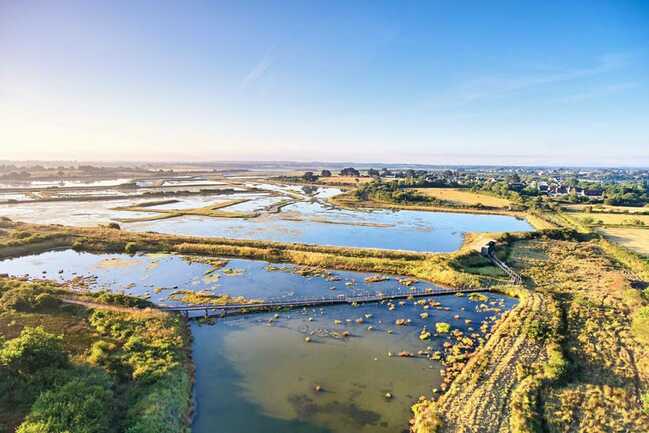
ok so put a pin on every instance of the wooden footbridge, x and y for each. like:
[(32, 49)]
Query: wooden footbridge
[(210, 310), (488, 250)]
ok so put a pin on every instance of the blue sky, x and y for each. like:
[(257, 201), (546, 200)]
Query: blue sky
[(430, 82)]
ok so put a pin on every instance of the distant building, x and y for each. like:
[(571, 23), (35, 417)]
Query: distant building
[(516, 186), (594, 192), (542, 186)]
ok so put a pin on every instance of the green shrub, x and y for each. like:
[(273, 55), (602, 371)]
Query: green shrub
[(131, 248), (28, 298), (523, 404), (20, 235), (121, 299), (46, 301), (148, 351), (106, 354), (34, 350), (640, 324), (18, 299), (645, 403), (82, 405), (539, 330), (162, 406), (557, 365)]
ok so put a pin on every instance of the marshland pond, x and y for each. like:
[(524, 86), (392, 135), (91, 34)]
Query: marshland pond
[(336, 369)]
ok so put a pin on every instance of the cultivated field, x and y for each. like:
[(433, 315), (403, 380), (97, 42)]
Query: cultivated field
[(605, 208), (464, 197), (635, 239), (608, 218)]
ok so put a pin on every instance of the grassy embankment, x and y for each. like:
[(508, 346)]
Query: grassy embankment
[(54, 196), (99, 366), (572, 356), (21, 238)]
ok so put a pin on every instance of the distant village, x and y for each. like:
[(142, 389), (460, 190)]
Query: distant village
[(611, 185)]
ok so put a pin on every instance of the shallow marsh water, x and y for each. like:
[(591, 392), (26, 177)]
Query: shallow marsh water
[(256, 373), (311, 220), (314, 223)]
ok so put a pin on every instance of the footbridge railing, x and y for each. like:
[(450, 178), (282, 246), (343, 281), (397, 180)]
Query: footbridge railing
[(222, 310)]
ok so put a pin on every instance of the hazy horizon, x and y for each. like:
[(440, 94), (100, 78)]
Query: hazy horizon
[(312, 164), (520, 83)]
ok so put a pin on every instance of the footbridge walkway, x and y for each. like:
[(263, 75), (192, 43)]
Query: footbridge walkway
[(211, 310), (488, 250)]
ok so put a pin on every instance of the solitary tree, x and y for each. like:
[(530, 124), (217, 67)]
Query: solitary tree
[(310, 177), (350, 171)]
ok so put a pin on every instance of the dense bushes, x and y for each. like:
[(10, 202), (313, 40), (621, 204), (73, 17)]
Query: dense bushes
[(149, 349), (149, 354), (162, 406), (30, 364), (28, 298), (134, 379), (23, 237), (34, 350), (82, 405), (121, 299), (393, 192)]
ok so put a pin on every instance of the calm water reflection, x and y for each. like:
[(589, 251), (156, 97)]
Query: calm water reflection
[(256, 373)]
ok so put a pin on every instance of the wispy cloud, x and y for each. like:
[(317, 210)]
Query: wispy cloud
[(600, 92), (499, 86), (259, 70)]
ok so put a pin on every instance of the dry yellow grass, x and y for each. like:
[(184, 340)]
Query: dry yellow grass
[(635, 239), (607, 218), (464, 197), (605, 208)]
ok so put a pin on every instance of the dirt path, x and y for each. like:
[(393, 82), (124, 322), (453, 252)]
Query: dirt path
[(99, 306), (478, 400)]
